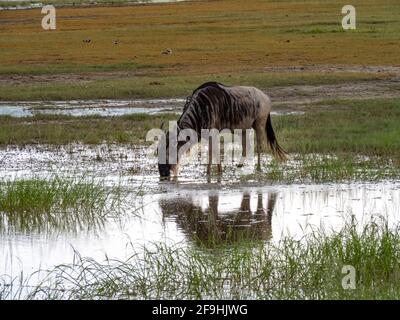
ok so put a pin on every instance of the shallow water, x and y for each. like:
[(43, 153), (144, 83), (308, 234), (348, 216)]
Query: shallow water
[(29, 5), (103, 108), (77, 108), (189, 211), (192, 217)]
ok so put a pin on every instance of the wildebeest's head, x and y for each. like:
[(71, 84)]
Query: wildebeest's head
[(166, 164), (165, 170)]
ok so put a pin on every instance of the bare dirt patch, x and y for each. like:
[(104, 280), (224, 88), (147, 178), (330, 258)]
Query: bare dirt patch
[(395, 70), (302, 97), (64, 78)]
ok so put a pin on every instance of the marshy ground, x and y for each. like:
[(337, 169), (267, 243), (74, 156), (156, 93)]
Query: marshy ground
[(80, 196)]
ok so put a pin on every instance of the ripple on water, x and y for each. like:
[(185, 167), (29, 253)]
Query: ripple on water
[(187, 212), (103, 108)]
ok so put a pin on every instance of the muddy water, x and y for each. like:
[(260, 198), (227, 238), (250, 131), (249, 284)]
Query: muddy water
[(103, 108), (30, 5), (188, 211)]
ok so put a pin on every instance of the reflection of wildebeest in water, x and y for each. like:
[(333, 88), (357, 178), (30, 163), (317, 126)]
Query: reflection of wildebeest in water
[(211, 227)]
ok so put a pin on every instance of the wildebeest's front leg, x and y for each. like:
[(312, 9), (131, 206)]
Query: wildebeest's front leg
[(258, 157), (244, 144), (220, 151), (210, 150), (244, 149)]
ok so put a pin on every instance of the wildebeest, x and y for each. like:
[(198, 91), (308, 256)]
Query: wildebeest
[(216, 106), (212, 226)]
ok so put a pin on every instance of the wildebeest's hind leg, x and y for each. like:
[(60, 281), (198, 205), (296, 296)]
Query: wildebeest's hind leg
[(258, 153), (210, 150), (221, 154)]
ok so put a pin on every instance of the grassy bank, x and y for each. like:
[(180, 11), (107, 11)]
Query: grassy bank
[(364, 127), (310, 269), (168, 86), (347, 127), (58, 130), (210, 40), (347, 140)]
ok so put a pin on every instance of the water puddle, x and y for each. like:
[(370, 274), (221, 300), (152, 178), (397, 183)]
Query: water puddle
[(196, 217), (189, 211), (30, 5), (103, 108)]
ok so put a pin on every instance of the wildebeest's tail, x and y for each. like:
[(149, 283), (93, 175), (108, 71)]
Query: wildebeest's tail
[(277, 150)]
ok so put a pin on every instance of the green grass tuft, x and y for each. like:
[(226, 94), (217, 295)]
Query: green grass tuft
[(40, 205), (306, 269)]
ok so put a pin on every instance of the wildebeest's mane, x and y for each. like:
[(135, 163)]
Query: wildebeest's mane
[(208, 100), (209, 84), (205, 86)]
